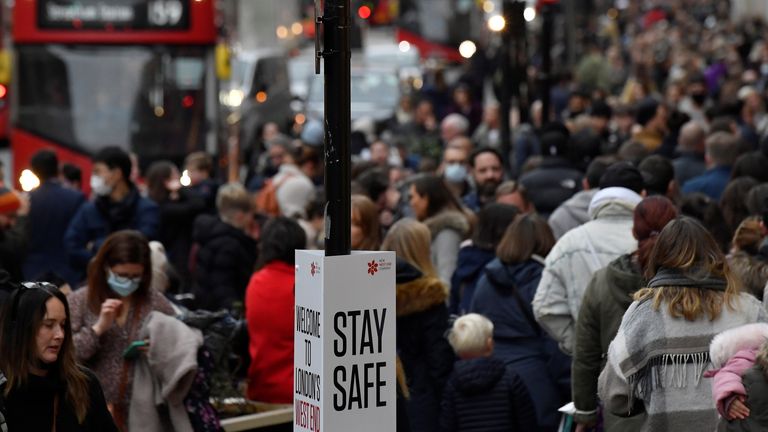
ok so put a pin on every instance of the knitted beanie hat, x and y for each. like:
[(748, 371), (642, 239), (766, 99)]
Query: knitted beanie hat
[(9, 201)]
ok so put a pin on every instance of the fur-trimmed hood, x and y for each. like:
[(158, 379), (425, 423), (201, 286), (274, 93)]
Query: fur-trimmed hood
[(448, 219), (420, 295), (726, 344)]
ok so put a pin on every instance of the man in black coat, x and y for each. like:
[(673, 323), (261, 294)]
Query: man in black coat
[(556, 179), (224, 255)]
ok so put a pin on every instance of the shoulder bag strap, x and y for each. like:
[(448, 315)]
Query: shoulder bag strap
[(518, 299), (121, 406)]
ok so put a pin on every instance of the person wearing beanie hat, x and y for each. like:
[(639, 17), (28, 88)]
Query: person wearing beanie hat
[(9, 201), (556, 179), (582, 251), (13, 232), (607, 297)]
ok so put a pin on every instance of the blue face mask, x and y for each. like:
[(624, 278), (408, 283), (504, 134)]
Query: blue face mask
[(122, 286), (455, 172)]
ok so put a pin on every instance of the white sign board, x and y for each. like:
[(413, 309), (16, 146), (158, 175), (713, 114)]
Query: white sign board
[(344, 343)]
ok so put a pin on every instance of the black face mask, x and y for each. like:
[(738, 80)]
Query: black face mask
[(699, 98)]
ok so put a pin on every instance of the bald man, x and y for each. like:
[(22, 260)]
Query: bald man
[(690, 146)]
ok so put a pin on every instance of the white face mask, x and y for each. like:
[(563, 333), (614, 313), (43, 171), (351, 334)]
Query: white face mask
[(99, 186)]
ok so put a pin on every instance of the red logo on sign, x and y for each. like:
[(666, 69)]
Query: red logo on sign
[(313, 269), (373, 267)]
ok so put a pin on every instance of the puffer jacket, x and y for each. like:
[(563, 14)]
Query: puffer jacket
[(755, 381), (422, 320), (733, 353), (607, 297), (577, 256), (484, 395), (223, 263)]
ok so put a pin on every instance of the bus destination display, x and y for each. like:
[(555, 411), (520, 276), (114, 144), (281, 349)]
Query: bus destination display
[(113, 14)]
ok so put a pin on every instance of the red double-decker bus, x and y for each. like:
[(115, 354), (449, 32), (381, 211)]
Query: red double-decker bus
[(138, 74)]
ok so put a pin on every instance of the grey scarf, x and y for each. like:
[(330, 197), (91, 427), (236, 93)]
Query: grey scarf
[(666, 277)]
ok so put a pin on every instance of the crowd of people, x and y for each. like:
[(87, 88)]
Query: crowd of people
[(616, 257)]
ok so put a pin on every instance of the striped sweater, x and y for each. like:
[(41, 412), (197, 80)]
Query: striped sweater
[(656, 364)]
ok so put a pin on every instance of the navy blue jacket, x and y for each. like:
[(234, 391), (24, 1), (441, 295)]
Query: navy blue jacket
[(52, 207), (519, 341), (99, 218), (712, 183), (484, 395), (469, 267)]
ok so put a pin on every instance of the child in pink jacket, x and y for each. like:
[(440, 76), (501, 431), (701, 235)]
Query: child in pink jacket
[(733, 353)]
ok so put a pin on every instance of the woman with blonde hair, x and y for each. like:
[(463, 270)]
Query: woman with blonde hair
[(422, 320), (656, 362), (366, 231)]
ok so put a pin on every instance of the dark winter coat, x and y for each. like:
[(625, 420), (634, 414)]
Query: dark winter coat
[(606, 298), (52, 207), (97, 219), (422, 320), (13, 246), (176, 224), (224, 263), (551, 184), (755, 381), (31, 408), (519, 342), (469, 267), (484, 395)]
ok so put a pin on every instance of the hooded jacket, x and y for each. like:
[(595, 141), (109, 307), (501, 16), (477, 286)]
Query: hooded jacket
[(733, 352), (223, 263), (448, 229), (578, 255), (755, 382), (469, 267), (519, 342), (483, 395), (607, 297), (572, 213), (422, 320)]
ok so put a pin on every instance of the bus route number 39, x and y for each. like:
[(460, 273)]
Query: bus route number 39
[(165, 13)]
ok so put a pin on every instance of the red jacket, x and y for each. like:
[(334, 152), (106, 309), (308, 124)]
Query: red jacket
[(269, 310)]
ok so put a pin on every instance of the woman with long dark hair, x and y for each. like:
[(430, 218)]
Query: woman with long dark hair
[(109, 312), (269, 302), (178, 208), (656, 362), (42, 385)]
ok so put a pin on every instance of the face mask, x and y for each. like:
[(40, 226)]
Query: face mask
[(122, 286), (99, 186), (455, 172), (699, 98)]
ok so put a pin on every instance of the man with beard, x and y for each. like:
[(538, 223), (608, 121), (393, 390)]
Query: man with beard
[(487, 171)]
